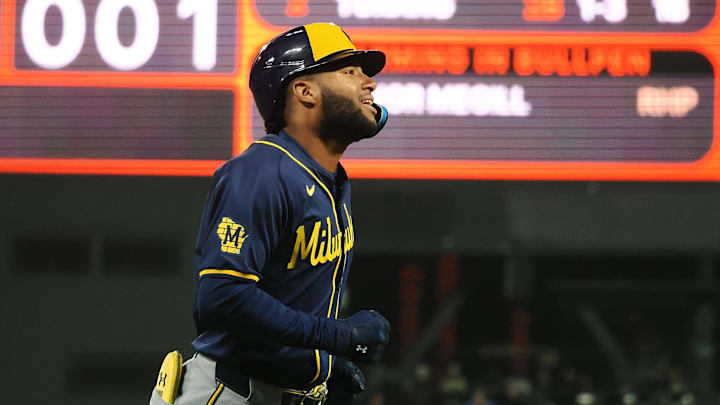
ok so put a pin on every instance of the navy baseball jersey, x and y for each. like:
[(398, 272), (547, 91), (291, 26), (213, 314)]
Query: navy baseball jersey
[(272, 255)]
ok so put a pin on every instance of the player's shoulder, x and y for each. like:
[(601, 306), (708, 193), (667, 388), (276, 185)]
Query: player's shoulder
[(270, 160), (293, 162), (257, 162)]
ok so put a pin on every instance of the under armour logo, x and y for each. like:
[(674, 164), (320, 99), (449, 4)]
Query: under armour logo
[(361, 349), (162, 378)]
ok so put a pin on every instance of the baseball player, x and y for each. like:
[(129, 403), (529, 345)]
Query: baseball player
[(276, 238)]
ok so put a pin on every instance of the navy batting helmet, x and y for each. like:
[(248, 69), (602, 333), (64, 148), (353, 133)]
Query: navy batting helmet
[(301, 50)]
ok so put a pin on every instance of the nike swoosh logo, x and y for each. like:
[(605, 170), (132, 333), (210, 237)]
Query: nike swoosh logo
[(310, 190)]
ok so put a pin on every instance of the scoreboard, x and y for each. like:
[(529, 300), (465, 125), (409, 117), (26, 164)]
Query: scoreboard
[(476, 89)]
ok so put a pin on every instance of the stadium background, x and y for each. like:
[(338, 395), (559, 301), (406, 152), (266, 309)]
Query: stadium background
[(541, 217)]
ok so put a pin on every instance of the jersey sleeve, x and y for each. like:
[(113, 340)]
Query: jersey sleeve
[(245, 214)]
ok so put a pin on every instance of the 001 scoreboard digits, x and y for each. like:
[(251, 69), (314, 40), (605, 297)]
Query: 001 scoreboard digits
[(59, 52)]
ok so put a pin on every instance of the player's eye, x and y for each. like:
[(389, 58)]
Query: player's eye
[(350, 71)]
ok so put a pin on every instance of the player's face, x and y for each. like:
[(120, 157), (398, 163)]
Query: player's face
[(353, 83), (348, 115)]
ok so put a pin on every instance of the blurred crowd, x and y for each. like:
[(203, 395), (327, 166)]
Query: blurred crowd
[(552, 382)]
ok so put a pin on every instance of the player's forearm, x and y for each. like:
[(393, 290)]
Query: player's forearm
[(249, 312)]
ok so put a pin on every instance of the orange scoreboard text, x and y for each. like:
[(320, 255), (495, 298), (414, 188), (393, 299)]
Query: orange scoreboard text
[(506, 90)]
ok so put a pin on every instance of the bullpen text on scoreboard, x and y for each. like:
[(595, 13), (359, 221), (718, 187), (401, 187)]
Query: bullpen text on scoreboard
[(476, 89)]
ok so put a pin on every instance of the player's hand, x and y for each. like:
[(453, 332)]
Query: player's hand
[(346, 381), (370, 334)]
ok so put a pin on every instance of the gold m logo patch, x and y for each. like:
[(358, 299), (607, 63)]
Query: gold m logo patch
[(232, 236)]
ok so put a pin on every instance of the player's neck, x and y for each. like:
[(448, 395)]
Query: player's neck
[(326, 155)]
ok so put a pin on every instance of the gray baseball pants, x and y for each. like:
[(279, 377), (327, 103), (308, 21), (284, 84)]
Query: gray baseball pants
[(199, 387)]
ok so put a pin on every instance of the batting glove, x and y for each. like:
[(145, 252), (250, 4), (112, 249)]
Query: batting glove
[(347, 380), (370, 334)]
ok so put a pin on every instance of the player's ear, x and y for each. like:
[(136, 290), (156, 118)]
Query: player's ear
[(305, 90)]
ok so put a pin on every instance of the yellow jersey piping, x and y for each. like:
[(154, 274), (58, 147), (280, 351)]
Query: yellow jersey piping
[(317, 361), (350, 225), (230, 273)]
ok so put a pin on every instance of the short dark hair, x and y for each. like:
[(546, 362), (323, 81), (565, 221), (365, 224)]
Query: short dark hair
[(276, 122)]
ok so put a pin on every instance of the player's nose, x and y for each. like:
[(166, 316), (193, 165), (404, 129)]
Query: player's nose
[(368, 82)]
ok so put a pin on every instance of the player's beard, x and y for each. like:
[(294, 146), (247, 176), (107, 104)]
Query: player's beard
[(343, 121)]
